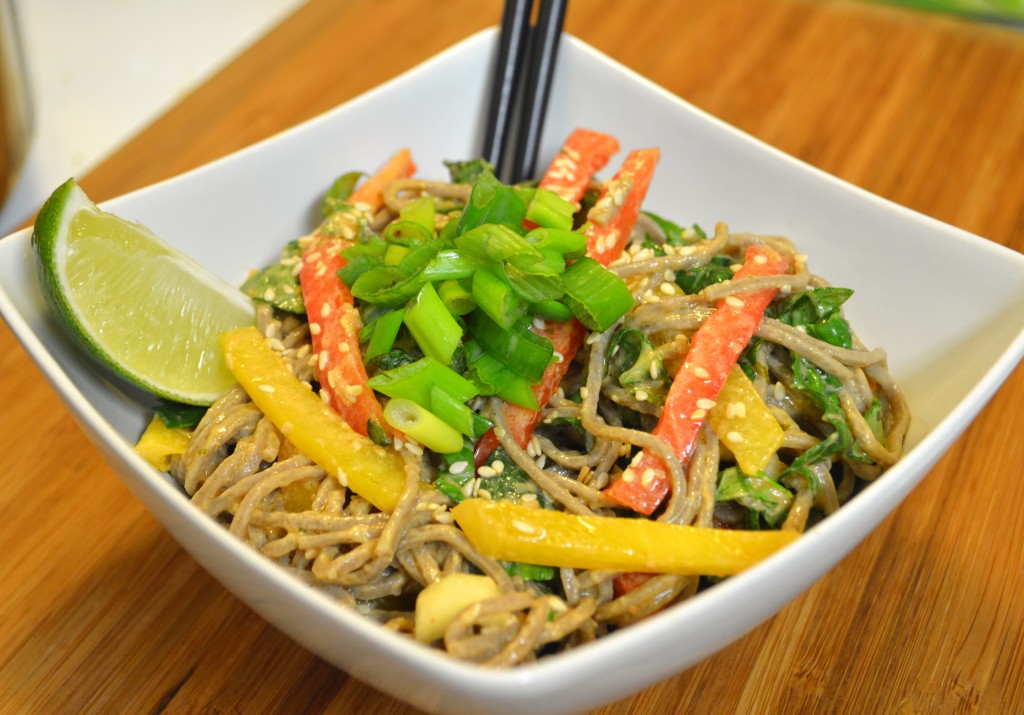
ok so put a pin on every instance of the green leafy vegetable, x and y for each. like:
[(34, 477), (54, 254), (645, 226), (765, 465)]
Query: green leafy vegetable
[(758, 493), (278, 283)]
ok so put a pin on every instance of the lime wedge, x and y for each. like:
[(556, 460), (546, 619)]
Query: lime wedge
[(141, 307)]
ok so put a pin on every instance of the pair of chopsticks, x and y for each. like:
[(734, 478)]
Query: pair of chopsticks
[(521, 84)]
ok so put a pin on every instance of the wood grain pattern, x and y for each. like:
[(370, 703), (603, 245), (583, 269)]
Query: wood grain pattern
[(102, 612)]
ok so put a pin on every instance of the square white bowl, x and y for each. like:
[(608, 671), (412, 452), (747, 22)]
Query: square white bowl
[(946, 305)]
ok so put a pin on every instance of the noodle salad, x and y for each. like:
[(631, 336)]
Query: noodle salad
[(508, 420)]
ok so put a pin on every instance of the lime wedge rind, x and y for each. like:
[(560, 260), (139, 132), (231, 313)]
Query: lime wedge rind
[(137, 305)]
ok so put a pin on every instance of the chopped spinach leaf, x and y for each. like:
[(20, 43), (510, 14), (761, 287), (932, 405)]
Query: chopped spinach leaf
[(696, 279), (175, 415), (278, 283)]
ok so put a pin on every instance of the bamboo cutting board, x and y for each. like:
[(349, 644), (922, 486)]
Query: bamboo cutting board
[(102, 612)]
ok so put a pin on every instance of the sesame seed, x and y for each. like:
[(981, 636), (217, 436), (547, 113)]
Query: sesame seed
[(698, 415), (628, 476), (277, 345), (539, 323), (269, 389), (398, 443), (653, 370), (321, 270), (325, 310), (354, 390), (667, 288), (647, 477), (730, 410), (483, 493), (734, 301), (734, 437), (313, 257), (541, 461), (303, 351), (458, 467), (523, 527), (735, 267), (344, 347), (642, 395), (779, 391), (325, 397), (701, 373), (584, 392), (741, 409), (705, 404), (486, 472), (498, 466), (444, 517), (342, 479), (314, 328), (322, 359), (760, 259), (269, 294)]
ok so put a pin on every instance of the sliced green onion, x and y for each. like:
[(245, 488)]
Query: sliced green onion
[(495, 297), (407, 233), (384, 330), (532, 288), (395, 253), (452, 263), (551, 310), (519, 392), (457, 414), (495, 242), (494, 378), (550, 210), (571, 244), (419, 211), (490, 201), (518, 348), (432, 326), (423, 426), (596, 296), (414, 381), (456, 299)]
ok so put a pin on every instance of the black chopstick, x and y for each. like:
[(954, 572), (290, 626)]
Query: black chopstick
[(540, 75), (521, 86)]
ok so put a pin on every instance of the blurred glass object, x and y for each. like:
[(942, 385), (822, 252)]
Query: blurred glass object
[(15, 105)]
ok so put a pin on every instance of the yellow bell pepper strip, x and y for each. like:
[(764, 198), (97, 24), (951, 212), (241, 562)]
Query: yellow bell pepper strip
[(375, 473), (714, 349), (606, 236), (334, 322), (742, 421), (509, 532), (159, 443)]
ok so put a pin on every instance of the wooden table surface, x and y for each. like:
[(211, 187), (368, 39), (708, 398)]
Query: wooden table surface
[(101, 612)]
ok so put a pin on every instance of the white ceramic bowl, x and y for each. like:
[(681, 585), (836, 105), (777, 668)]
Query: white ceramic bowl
[(947, 306)]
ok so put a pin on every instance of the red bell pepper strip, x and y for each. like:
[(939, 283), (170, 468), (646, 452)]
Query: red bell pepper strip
[(714, 349), (334, 322), (604, 245), (584, 154)]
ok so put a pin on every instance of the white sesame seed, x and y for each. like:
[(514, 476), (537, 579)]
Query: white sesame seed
[(647, 477), (741, 409), (701, 373), (730, 410), (458, 467), (698, 415), (523, 527), (760, 259), (314, 328), (498, 466), (779, 391), (705, 404), (325, 310), (653, 370), (322, 359), (667, 288), (642, 395), (734, 301), (584, 392), (343, 347), (486, 472), (269, 389), (539, 323), (734, 437), (342, 479), (628, 476), (325, 397), (483, 493)]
